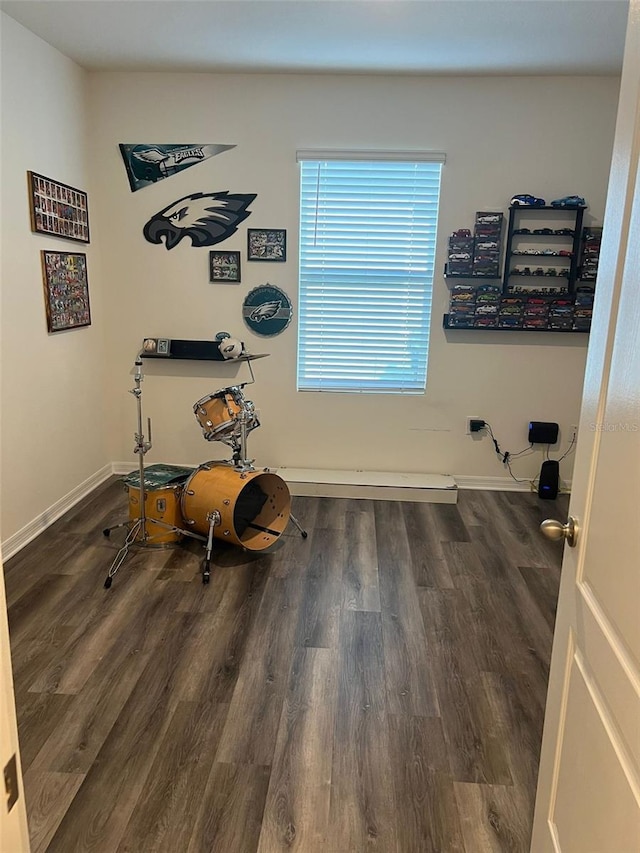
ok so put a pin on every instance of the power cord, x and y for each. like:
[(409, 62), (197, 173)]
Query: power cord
[(506, 457), (570, 448)]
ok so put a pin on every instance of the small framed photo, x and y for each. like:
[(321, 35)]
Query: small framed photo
[(224, 266), (266, 244), (66, 290), (58, 209)]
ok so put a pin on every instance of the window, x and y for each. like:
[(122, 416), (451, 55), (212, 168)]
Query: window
[(367, 244)]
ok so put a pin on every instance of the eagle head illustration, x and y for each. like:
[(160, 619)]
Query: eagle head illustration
[(208, 218)]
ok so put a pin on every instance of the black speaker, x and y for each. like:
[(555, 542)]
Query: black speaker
[(542, 432), (549, 479)]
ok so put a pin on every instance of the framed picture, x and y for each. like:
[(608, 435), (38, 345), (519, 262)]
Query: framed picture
[(224, 266), (66, 290), (58, 209), (266, 244)]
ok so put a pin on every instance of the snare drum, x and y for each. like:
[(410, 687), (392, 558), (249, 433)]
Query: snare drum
[(163, 486), (254, 506), (218, 412), (161, 508)]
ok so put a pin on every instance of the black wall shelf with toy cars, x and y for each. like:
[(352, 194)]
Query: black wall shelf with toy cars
[(476, 255), (548, 281), (590, 254), (549, 239)]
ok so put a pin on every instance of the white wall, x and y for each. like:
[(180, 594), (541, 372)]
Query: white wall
[(547, 136), (53, 424)]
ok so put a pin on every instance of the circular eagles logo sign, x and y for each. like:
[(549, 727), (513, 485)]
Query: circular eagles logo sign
[(267, 310)]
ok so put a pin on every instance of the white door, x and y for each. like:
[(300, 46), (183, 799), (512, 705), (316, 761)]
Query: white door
[(13, 824), (588, 798)]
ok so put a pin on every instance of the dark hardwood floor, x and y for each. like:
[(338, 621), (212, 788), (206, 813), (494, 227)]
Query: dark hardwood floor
[(379, 686)]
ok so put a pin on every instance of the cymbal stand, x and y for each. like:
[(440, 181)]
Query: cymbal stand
[(138, 530)]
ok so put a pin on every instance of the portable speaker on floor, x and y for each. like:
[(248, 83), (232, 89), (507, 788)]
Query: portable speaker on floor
[(549, 479)]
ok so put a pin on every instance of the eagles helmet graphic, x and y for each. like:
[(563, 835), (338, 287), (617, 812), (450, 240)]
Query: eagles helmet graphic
[(207, 218)]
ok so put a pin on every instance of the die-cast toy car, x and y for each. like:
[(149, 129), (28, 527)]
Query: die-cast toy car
[(525, 200), (569, 201)]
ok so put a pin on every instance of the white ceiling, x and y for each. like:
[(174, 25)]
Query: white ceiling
[(340, 36)]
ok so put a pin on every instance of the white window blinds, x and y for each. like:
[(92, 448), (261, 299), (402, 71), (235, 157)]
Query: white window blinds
[(367, 246)]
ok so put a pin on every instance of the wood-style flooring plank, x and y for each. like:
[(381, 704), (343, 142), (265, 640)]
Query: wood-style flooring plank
[(494, 818), (360, 578), (520, 722), (106, 615), (256, 704), (476, 753), (408, 671), (48, 796), (424, 533), (362, 809), (31, 656), (296, 813), (318, 623), (231, 809), (426, 808), (38, 719), (86, 725), (543, 585), (100, 811), (217, 645), (168, 802)]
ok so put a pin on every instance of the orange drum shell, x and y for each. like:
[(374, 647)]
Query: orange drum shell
[(217, 413), (161, 504), (217, 486)]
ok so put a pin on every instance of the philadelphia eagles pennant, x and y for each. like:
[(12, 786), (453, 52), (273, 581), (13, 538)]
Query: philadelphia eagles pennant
[(147, 164)]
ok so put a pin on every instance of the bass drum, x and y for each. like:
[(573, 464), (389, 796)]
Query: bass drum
[(254, 506)]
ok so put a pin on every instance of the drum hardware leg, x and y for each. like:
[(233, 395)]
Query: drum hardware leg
[(303, 532), (122, 553), (214, 519), (108, 530)]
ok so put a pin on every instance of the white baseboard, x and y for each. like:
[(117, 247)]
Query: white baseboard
[(375, 485), (491, 484), (123, 467), (500, 484), (15, 543)]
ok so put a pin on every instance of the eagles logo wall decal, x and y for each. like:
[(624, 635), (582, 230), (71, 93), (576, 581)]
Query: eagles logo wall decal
[(207, 218)]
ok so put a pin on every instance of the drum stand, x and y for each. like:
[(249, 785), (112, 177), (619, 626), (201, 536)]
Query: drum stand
[(239, 446), (137, 533)]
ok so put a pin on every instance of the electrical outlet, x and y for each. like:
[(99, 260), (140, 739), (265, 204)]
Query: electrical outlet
[(471, 418), (574, 429)]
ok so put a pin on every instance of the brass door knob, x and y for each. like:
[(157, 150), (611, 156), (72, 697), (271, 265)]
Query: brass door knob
[(556, 530)]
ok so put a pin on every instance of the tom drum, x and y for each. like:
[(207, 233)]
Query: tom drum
[(217, 413)]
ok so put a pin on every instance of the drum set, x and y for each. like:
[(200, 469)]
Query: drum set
[(227, 500)]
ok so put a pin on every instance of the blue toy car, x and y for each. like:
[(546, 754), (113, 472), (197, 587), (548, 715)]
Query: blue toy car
[(569, 201), (527, 201)]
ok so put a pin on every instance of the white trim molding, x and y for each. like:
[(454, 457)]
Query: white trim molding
[(501, 484), (45, 519), (372, 156)]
